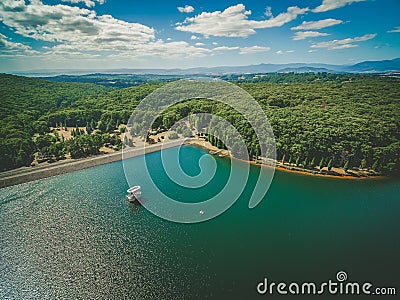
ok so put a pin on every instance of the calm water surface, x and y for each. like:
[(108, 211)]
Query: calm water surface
[(75, 236)]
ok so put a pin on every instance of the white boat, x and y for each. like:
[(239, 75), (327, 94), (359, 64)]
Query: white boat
[(134, 193)]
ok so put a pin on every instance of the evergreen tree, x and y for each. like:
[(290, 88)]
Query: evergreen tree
[(220, 145), (92, 124), (88, 128), (312, 163), (363, 163), (375, 165), (109, 127), (101, 126), (212, 139), (330, 165), (305, 163), (346, 166), (321, 163)]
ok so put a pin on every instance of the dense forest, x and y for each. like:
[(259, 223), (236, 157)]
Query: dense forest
[(350, 124), (114, 80), (342, 120)]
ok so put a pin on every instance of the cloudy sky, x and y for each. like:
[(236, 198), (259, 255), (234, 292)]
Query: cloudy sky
[(106, 34)]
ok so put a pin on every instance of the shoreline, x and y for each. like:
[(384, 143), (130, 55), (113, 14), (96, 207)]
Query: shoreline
[(310, 173), (208, 147), (27, 174)]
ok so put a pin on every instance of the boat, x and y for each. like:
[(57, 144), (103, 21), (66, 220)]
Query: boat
[(134, 193)]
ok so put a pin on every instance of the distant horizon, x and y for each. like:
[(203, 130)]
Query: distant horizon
[(195, 67), (114, 34), (88, 71), (202, 66)]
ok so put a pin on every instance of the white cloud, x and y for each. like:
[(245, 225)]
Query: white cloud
[(169, 39), (186, 9), (333, 4), (157, 48), (253, 49), (343, 44), (317, 24), (193, 37), (80, 32), (199, 44), (225, 48), (160, 49), (301, 35), (268, 11), (12, 47), (280, 52), (214, 43), (76, 26), (88, 3), (234, 22), (396, 29)]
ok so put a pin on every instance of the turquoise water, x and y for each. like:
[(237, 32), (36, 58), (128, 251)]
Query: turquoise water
[(76, 236)]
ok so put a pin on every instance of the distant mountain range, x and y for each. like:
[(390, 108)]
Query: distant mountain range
[(383, 66)]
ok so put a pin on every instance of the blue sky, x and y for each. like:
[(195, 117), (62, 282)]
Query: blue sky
[(107, 34)]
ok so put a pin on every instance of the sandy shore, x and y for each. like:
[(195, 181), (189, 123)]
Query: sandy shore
[(316, 174), (207, 146), (340, 172)]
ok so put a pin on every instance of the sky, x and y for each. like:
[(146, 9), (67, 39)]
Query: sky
[(111, 34)]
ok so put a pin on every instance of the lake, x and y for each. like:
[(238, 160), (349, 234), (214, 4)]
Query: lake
[(76, 235)]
